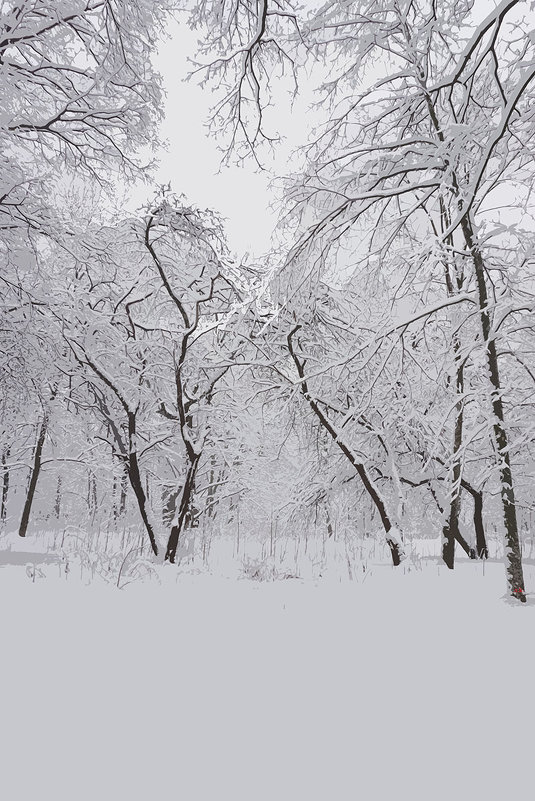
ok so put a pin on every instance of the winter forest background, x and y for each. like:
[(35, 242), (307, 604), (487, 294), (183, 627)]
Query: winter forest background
[(267, 312)]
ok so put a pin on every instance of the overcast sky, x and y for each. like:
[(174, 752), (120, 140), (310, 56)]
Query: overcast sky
[(192, 161)]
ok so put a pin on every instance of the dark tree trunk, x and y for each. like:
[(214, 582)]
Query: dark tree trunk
[(183, 511), (136, 483), (481, 550), (5, 484), (34, 477), (450, 532), (396, 549), (457, 534), (515, 574), (470, 552), (481, 542)]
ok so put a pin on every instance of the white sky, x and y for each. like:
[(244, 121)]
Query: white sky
[(193, 161)]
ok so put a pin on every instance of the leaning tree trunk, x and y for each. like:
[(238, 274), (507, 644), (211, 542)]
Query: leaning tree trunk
[(183, 510), (513, 556), (136, 483), (393, 541), (34, 477), (470, 552), (481, 549)]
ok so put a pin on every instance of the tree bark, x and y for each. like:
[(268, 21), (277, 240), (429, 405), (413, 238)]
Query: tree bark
[(183, 511), (34, 477), (515, 574), (214, 481), (57, 504), (92, 497), (513, 554), (481, 549), (136, 483), (457, 534), (481, 542), (450, 531), (396, 548), (5, 484)]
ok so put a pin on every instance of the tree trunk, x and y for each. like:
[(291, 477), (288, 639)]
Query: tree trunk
[(515, 575), (395, 545), (34, 477), (450, 532), (513, 556), (57, 504), (328, 521), (470, 552), (212, 488), (136, 483), (120, 492), (92, 498), (481, 542), (481, 550), (5, 484), (115, 504), (183, 511)]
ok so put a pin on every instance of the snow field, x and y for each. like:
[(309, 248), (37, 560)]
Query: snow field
[(406, 686)]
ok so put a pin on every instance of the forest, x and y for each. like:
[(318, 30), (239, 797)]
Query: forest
[(366, 386), (267, 407)]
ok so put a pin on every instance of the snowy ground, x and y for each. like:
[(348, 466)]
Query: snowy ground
[(398, 685)]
